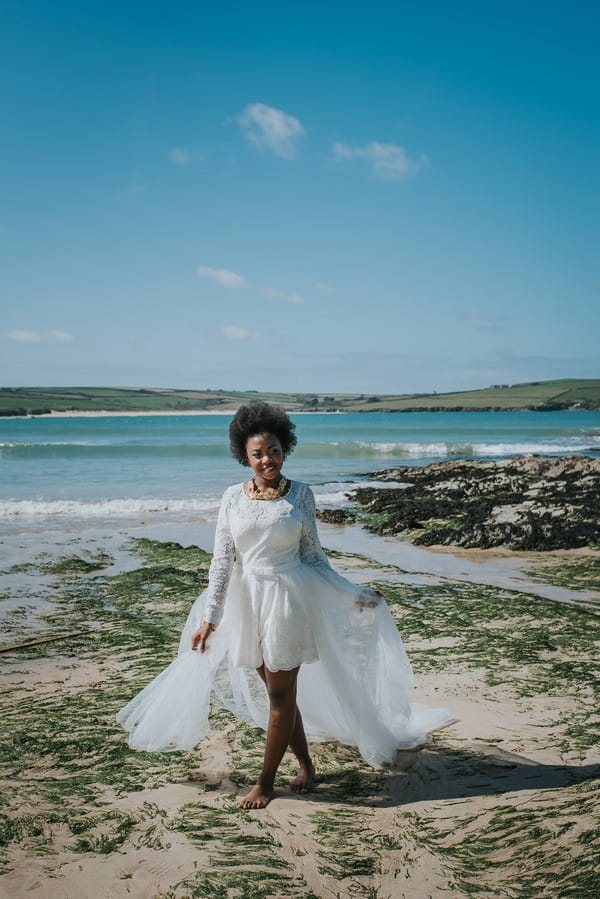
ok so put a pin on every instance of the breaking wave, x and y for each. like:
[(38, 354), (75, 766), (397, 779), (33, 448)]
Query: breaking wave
[(450, 449), (107, 448), (110, 508), (351, 449)]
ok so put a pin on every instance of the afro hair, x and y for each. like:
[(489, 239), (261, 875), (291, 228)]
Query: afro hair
[(260, 418)]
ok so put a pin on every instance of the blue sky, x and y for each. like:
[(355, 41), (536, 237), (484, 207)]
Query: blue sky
[(370, 197)]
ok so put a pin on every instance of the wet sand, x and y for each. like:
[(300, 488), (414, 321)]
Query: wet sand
[(496, 569)]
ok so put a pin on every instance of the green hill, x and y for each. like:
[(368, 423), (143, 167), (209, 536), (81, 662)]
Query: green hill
[(536, 395), (40, 400)]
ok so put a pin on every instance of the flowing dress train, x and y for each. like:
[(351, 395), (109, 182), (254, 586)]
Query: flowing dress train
[(277, 601)]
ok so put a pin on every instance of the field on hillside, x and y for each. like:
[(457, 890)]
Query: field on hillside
[(542, 395)]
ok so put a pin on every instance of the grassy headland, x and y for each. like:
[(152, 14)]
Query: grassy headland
[(536, 395)]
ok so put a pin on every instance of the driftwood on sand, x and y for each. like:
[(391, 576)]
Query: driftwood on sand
[(52, 638)]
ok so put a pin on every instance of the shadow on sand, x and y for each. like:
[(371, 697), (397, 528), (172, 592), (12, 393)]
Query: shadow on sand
[(436, 774)]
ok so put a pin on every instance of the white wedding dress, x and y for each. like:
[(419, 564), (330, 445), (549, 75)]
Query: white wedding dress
[(277, 600)]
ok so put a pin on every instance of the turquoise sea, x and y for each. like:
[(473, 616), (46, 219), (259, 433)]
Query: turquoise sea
[(124, 468)]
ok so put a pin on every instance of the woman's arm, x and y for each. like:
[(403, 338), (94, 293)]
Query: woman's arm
[(311, 552), (218, 575)]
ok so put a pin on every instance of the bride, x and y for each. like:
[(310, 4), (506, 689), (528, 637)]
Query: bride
[(278, 630)]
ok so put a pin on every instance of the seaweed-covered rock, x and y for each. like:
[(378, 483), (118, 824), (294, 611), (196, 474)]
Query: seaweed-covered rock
[(337, 516), (527, 503)]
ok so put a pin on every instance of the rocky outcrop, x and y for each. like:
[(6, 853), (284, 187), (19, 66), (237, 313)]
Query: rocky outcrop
[(337, 516), (527, 503)]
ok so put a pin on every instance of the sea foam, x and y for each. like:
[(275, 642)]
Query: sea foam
[(110, 508)]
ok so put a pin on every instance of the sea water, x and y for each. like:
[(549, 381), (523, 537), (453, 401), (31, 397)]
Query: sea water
[(123, 468)]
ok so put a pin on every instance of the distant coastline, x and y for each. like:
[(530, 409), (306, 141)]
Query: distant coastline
[(107, 413), (140, 413), (170, 413), (534, 396)]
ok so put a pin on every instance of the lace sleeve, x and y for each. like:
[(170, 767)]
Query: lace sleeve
[(221, 565), (311, 551)]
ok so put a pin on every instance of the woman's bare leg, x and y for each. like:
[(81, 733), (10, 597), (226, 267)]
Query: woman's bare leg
[(281, 687), (304, 781)]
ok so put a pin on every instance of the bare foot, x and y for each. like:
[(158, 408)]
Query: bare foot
[(258, 797), (304, 780)]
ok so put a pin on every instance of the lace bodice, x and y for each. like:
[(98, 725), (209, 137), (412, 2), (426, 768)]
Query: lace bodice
[(283, 607), (265, 536)]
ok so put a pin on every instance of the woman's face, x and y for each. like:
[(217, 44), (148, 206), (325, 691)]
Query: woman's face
[(265, 455)]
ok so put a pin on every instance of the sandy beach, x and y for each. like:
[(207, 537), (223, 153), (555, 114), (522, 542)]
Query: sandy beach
[(140, 413), (501, 803)]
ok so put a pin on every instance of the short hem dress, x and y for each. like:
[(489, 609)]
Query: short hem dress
[(278, 602)]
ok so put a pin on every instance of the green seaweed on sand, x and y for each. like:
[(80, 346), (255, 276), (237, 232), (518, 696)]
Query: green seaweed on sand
[(529, 644), (77, 788), (29, 831), (70, 565), (353, 559), (579, 573), (119, 827), (239, 857), (65, 566), (253, 884), (344, 853), (518, 849), (218, 829), (169, 553), (130, 632)]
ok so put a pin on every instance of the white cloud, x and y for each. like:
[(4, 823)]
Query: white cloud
[(232, 332), (479, 320), (179, 156), (322, 287), (62, 336), (230, 279), (271, 128), (222, 276), (276, 294), (389, 161), (24, 336)]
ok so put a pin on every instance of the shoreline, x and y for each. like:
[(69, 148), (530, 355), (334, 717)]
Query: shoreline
[(104, 413), (363, 555), (504, 569), (141, 413)]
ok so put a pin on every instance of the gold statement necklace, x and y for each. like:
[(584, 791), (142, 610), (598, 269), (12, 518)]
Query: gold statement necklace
[(270, 492)]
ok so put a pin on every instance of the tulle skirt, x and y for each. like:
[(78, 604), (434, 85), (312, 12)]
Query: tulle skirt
[(355, 683)]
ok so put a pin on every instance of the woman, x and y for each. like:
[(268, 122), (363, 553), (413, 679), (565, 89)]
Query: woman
[(287, 621)]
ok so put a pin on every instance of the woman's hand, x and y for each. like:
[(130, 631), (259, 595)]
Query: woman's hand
[(368, 598), (201, 635)]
